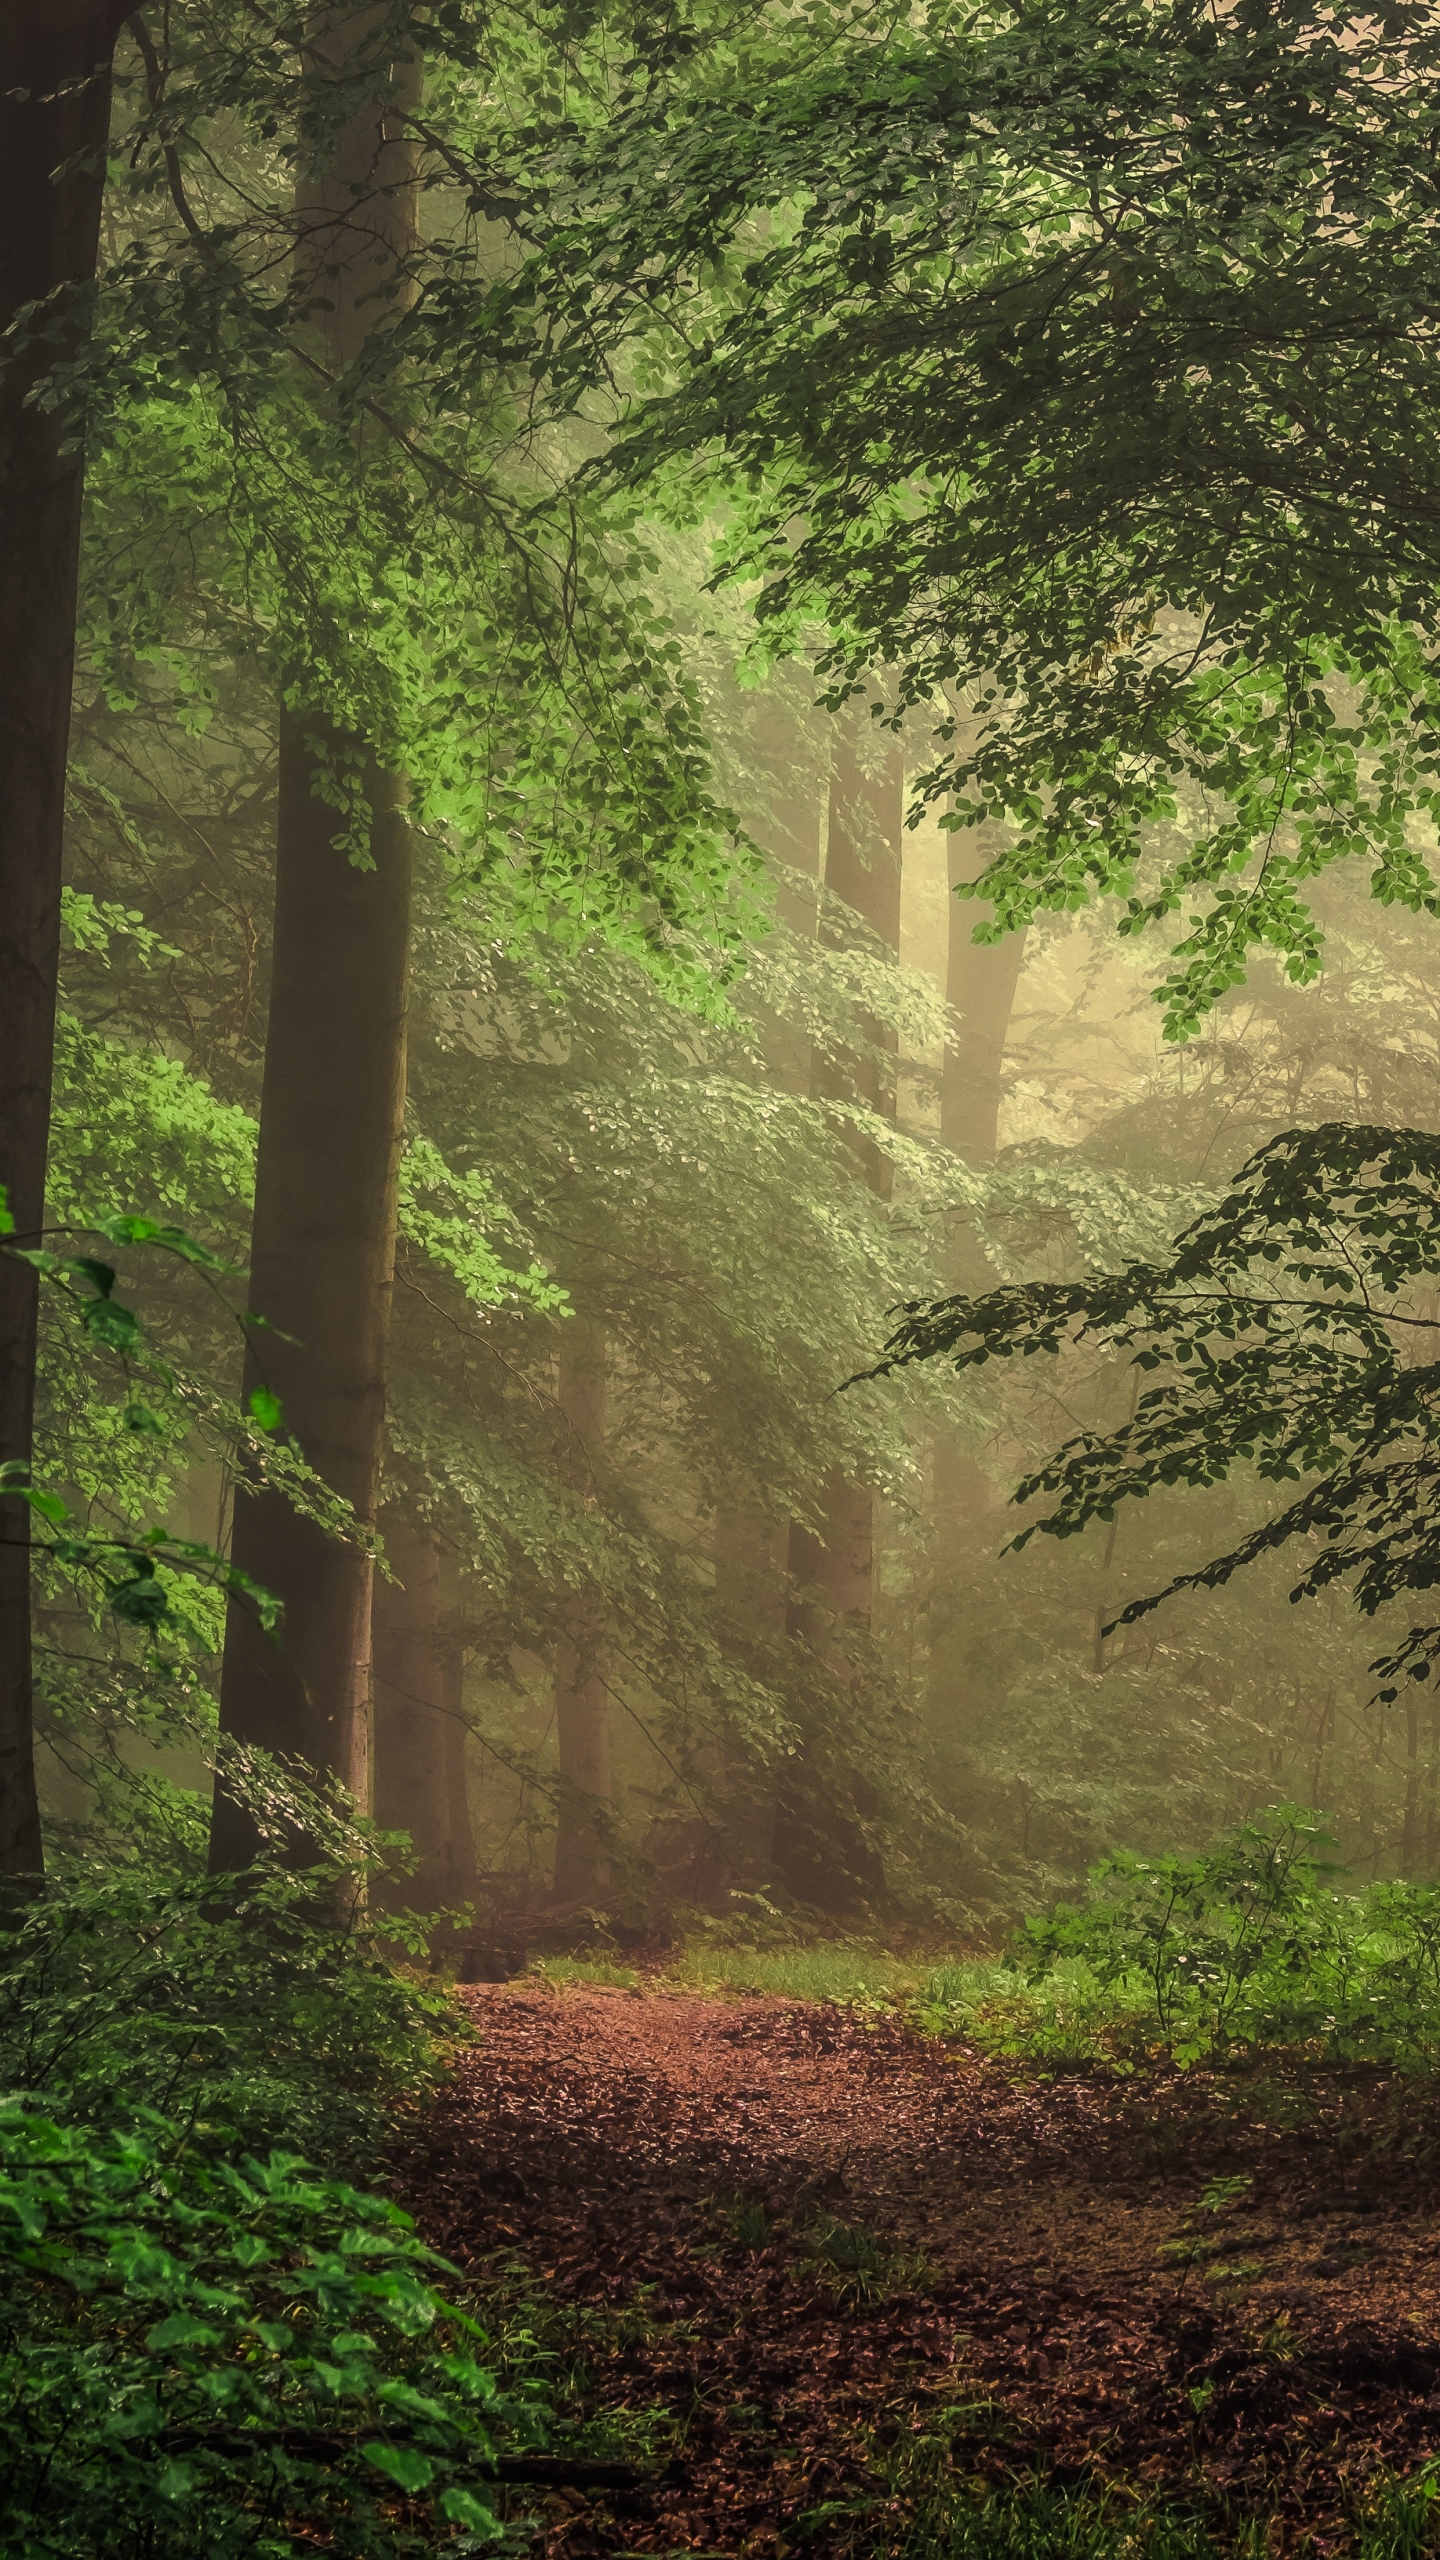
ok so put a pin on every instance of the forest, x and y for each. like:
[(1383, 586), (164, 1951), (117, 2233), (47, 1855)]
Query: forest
[(719, 1279)]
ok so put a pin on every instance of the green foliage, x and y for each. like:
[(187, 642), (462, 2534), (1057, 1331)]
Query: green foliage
[(258, 2021), (135, 1573), (1294, 1321), (393, 549), (1249, 1945), (238, 2354), (1069, 365), (208, 2341), (1059, 2015)]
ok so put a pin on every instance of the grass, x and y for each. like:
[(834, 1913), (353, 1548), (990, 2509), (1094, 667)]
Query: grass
[(943, 2513), (858, 2266), (1064, 2016), (841, 1971)]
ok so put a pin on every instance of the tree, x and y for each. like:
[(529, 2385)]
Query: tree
[(332, 1109), (54, 114), (1290, 1316)]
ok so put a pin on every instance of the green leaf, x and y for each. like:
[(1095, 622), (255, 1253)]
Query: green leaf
[(140, 1601), (182, 2329), (460, 2506), (410, 2471), (116, 1326), (264, 1407)]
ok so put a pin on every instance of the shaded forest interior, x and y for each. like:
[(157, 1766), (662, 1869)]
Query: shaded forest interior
[(719, 1269)]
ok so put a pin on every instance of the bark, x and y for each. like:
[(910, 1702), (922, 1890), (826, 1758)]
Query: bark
[(750, 1549), (751, 1615), (820, 1848), (332, 1101), (322, 1270), (862, 866), (788, 826), (54, 113), (980, 984), (419, 1759), (582, 1718)]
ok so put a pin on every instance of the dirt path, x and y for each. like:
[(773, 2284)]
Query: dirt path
[(633, 2150)]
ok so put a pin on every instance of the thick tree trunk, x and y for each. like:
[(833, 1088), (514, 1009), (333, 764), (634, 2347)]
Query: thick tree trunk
[(582, 1715), (419, 1759), (322, 1270), (333, 1097), (54, 113)]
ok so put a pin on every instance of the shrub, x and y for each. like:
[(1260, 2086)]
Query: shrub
[(1250, 1944), (203, 2355), (261, 2020)]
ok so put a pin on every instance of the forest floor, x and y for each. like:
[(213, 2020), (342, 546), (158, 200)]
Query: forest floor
[(805, 2266)]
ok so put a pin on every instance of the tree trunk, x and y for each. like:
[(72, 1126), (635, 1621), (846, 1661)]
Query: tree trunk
[(419, 1761), (820, 1849), (54, 112), (980, 984), (751, 1626), (862, 866), (582, 1716), (333, 1096), (322, 1269)]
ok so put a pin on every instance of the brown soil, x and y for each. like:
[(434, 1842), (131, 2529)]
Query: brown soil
[(598, 2136)]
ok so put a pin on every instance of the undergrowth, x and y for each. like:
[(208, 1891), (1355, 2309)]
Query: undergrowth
[(211, 2339), (1253, 1946), (1250, 1947)]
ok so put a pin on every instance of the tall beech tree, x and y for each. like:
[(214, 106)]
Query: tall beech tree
[(820, 1848), (332, 1106), (54, 117)]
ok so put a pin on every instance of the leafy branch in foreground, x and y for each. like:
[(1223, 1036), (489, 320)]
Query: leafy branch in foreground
[(1299, 1327), (128, 1564)]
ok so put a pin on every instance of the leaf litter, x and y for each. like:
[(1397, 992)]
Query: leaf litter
[(802, 2244)]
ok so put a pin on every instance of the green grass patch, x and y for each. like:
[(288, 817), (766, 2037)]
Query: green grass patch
[(1061, 2015), (856, 1974), (859, 2266), (936, 2510)]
